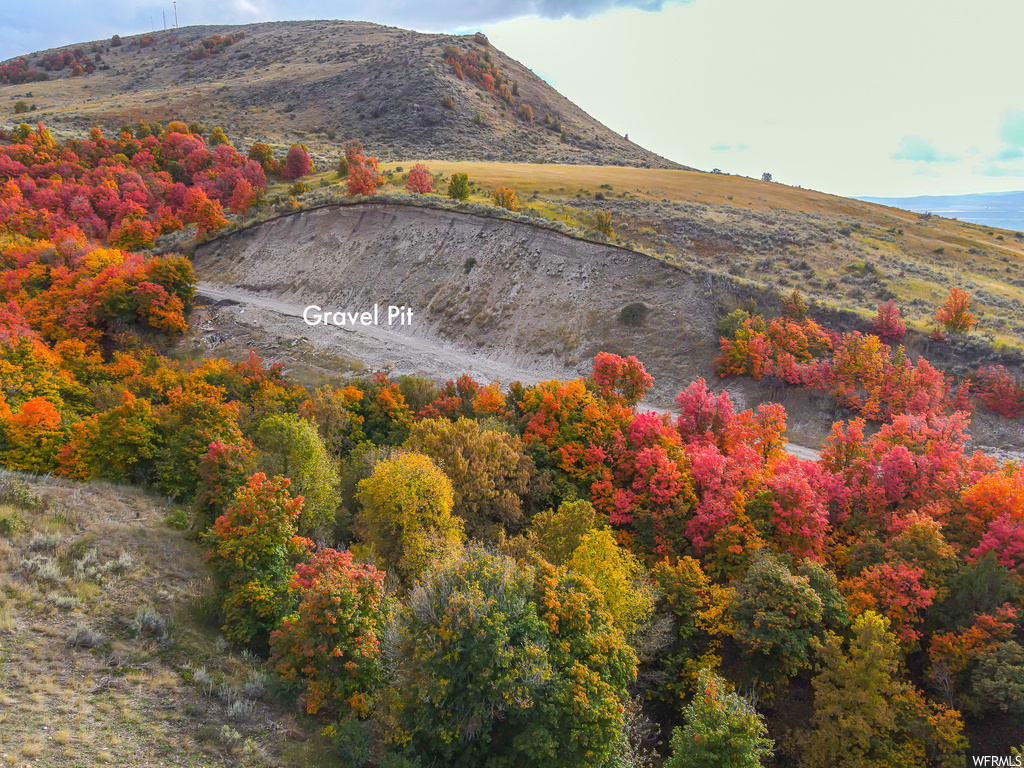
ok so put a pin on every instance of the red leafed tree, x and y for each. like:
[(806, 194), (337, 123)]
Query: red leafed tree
[(363, 178), (1005, 537), (419, 180), (887, 325), (243, 197), (297, 164), (624, 378), (955, 315), (704, 416), (896, 591), (999, 391), (799, 513)]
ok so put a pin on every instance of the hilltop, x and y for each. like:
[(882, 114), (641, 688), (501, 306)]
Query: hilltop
[(323, 83)]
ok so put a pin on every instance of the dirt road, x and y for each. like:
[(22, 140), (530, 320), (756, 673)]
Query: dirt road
[(399, 350)]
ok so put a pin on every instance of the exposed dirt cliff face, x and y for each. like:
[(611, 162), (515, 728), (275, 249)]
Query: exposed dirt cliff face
[(519, 296)]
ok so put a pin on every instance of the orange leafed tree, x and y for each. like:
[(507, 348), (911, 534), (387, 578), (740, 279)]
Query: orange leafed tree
[(505, 198), (363, 178), (34, 437), (955, 315)]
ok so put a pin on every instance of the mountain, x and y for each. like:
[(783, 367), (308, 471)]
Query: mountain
[(323, 83), (991, 209)]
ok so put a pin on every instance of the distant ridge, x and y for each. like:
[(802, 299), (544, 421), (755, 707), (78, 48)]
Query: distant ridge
[(1004, 210)]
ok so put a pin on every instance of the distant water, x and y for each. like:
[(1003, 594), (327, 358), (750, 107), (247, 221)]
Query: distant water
[(1004, 210)]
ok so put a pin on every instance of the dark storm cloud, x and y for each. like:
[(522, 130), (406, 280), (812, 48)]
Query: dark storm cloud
[(27, 27)]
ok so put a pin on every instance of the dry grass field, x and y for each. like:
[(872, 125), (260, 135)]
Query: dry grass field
[(108, 655)]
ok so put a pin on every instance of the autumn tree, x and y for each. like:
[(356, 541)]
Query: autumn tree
[(795, 307), (488, 469), (124, 441), (618, 575), (999, 390), (223, 469), (887, 325), (297, 163), (490, 652), (697, 608), (363, 178), (506, 198), (217, 137), (721, 729), (955, 315), (420, 181), (603, 223), (407, 514), (189, 423), (335, 413), (253, 550), (331, 645), (243, 197), (34, 436), (865, 716), (621, 379), (853, 712), (558, 533), (264, 155), (896, 590)]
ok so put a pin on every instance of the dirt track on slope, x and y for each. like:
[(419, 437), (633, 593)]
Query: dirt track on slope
[(381, 348)]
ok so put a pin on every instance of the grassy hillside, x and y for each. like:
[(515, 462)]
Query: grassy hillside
[(323, 83)]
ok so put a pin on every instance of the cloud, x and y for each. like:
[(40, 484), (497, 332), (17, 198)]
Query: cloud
[(918, 150), (1007, 154), (993, 170), (721, 147), (49, 23), (451, 14), (1012, 129)]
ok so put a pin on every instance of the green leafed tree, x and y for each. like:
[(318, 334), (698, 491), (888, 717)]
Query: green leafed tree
[(458, 187), (290, 446), (504, 664), (721, 729), (777, 614)]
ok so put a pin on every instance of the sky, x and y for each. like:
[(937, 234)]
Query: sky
[(880, 97)]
